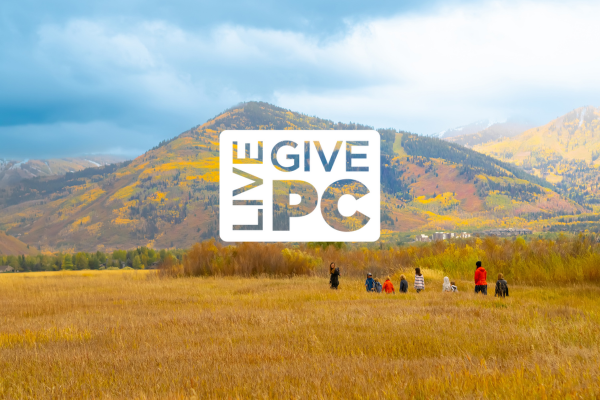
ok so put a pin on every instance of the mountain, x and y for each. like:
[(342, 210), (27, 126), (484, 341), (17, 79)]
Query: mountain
[(464, 130), (574, 136), (13, 171), (169, 196), (10, 246), (492, 132), (565, 151)]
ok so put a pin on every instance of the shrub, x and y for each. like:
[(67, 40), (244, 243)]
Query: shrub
[(534, 262), (170, 266), (246, 259)]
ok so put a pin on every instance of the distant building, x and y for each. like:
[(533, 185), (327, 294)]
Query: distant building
[(422, 238), (450, 235), (6, 268)]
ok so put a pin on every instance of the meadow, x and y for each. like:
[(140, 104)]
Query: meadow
[(133, 334)]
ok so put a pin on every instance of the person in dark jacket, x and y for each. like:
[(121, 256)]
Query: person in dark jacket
[(480, 279), (403, 284), (369, 283), (501, 287), (334, 276)]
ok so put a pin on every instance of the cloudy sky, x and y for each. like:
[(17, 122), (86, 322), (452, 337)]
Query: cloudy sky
[(118, 76)]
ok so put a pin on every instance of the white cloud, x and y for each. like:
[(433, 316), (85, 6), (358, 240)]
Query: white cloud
[(462, 64), (422, 72), (94, 45)]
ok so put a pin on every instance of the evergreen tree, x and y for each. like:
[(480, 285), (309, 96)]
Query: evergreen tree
[(67, 262), (137, 263)]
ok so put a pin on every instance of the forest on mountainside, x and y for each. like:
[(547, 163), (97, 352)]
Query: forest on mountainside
[(51, 187), (564, 151), (169, 196), (473, 162)]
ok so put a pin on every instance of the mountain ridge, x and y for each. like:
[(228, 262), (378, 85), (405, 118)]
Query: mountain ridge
[(14, 171), (492, 132), (468, 129), (168, 196), (565, 151)]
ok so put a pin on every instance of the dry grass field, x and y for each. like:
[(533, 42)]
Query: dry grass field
[(118, 334)]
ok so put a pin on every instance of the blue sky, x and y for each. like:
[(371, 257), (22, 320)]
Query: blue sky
[(119, 76)]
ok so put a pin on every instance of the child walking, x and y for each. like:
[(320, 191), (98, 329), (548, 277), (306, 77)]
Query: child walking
[(403, 284), (453, 287), (388, 286), (369, 283), (501, 287), (419, 280), (378, 287), (446, 287)]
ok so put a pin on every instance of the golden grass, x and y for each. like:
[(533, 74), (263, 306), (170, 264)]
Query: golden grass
[(117, 334)]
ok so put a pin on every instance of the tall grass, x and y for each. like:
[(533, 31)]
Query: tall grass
[(126, 335), (565, 260)]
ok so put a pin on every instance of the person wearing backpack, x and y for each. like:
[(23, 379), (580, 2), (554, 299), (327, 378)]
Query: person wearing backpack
[(334, 276), (501, 287), (378, 287), (480, 279)]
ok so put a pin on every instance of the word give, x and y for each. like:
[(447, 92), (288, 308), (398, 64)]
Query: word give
[(275, 198)]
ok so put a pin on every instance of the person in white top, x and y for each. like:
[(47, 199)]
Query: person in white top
[(446, 287), (419, 280)]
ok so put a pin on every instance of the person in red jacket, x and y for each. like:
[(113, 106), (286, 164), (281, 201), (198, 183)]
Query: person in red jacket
[(480, 277), (388, 286)]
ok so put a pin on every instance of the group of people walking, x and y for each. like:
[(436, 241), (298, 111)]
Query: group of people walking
[(373, 285)]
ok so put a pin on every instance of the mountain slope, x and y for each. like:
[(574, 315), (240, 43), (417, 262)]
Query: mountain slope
[(575, 135), (10, 246), (169, 196), (12, 171), (566, 151)]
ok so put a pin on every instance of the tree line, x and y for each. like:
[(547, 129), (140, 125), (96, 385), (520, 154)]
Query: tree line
[(140, 258)]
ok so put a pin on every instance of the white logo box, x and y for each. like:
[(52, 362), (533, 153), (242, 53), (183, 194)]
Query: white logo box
[(239, 213)]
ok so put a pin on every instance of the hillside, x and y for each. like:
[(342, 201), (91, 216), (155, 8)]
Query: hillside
[(574, 136), (169, 196), (13, 171), (566, 152), (10, 246)]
